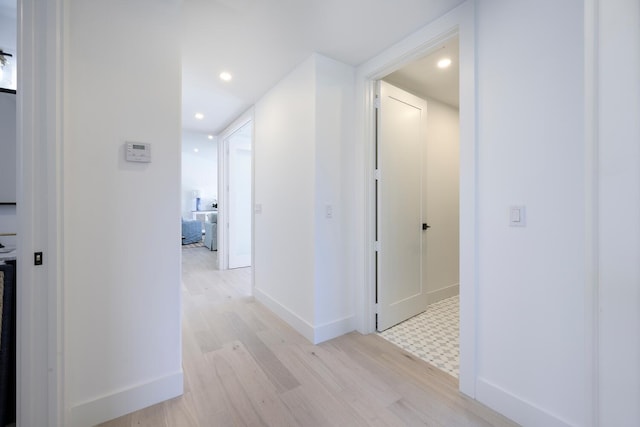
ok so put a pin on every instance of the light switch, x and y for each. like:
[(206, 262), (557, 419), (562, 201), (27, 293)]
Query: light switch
[(517, 216), (329, 211)]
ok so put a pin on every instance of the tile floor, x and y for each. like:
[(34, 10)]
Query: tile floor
[(432, 336)]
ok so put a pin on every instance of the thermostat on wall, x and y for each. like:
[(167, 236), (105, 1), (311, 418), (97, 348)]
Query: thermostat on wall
[(138, 152)]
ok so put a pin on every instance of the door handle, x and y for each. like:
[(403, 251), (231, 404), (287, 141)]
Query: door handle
[(425, 226)]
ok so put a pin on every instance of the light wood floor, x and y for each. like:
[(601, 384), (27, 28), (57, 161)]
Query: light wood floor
[(244, 366)]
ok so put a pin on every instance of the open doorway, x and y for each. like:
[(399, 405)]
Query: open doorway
[(199, 183), (418, 207)]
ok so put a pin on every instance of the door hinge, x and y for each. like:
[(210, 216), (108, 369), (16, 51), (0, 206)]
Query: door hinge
[(376, 103), (377, 308), (377, 174), (377, 246)]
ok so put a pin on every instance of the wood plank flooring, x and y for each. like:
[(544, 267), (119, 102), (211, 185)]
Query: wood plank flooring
[(245, 367)]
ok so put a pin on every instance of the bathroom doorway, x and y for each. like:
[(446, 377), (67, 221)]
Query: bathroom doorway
[(418, 207)]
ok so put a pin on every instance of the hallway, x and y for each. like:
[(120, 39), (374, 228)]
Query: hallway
[(244, 366)]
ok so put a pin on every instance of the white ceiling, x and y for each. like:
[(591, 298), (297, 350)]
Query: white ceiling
[(424, 78), (260, 41)]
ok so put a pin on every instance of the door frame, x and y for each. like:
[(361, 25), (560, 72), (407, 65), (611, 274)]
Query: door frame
[(223, 187), (40, 292), (460, 21)]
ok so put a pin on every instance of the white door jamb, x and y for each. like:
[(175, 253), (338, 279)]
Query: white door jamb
[(40, 309)]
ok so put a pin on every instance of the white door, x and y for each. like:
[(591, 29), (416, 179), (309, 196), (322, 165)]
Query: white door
[(401, 293), (239, 197)]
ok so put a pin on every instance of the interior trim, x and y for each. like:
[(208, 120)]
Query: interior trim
[(461, 21)]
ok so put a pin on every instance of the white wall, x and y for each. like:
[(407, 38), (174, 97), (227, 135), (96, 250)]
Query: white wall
[(301, 126), (619, 211), (284, 180), (199, 170), (531, 358), (334, 306), (121, 220), (441, 203)]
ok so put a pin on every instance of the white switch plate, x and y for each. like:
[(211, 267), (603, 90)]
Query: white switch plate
[(329, 211), (517, 216)]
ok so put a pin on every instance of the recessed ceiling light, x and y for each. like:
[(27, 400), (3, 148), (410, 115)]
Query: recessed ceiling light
[(225, 76), (195, 150), (444, 63), (199, 116), (210, 136)]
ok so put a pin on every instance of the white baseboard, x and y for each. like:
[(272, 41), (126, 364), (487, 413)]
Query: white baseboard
[(513, 407), (315, 334), (443, 293), (295, 321), (126, 401), (334, 329)]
